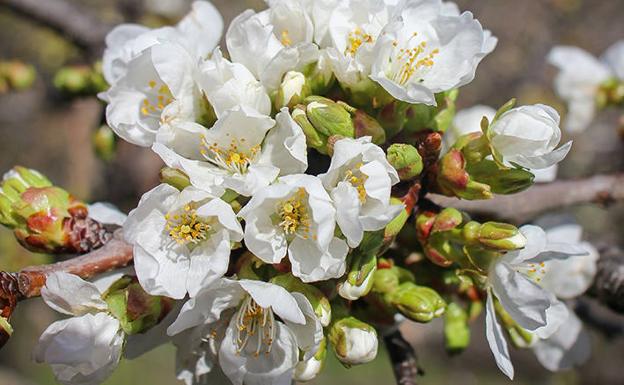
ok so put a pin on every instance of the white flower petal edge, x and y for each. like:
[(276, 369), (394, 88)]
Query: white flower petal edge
[(359, 180), (496, 339), (71, 295), (181, 240), (614, 58), (230, 310), (577, 82), (106, 213), (295, 215)]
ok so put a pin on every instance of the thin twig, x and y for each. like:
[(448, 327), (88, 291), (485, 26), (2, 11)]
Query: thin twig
[(522, 207), (77, 24), (403, 358)]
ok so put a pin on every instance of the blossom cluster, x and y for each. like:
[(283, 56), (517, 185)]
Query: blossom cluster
[(283, 224)]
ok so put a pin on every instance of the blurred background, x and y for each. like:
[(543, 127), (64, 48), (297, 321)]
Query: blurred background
[(41, 129)]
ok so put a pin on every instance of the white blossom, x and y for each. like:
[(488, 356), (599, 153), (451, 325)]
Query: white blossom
[(244, 150), (241, 326), (181, 240), (425, 50), (86, 348), (580, 75), (296, 216), (528, 136), (274, 41), (514, 281), (359, 181), (469, 120)]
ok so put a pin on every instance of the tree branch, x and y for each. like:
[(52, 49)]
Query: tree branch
[(608, 285), (77, 24), (403, 358), (521, 207), (27, 283)]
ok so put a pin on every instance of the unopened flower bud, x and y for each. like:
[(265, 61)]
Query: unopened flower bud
[(359, 280), (366, 125), (501, 236), (104, 143), (448, 219), (501, 180), (46, 218), (453, 179), (354, 342), (406, 160), (174, 177), (396, 225), (456, 329), (418, 303), (314, 139), (293, 90), (136, 310), (73, 80), (308, 370), (317, 299), (328, 117), (19, 75)]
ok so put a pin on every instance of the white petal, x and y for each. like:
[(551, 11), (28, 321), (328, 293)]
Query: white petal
[(106, 214), (70, 294), (202, 27), (311, 264), (208, 262), (568, 347), (159, 273), (524, 300), (310, 335), (158, 199), (274, 296), (348, 206), (496, 339), (81, 350), (285, 146), (208, 305), (536, 244)]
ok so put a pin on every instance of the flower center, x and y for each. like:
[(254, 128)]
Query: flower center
[(255, 324), (185, 227), (285, 38), (357, 179), (157, 98), (293, 214), (232, 158), (534, 271), (410, 61), (355, 40)]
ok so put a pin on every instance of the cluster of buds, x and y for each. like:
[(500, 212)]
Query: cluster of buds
[(449, 237), (16, 75), (45, 218), (78, 80), (610, 93)]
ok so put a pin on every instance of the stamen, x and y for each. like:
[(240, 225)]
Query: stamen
[(231, 158), (533, 271), (357, 179), (411, 60), (186, 227), (294, 214), (355, 41), (154, 104), (285, 39), (253, 320)]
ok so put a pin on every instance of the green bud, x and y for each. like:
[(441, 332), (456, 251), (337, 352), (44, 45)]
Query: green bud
[(501, 236), (293, 90), (366, 125), (314, 139), (6, 331), (136, 310), (396, 225), (104, 143), (359, 279), (317, 299), (456, 330), (20, 76), (354, 342), (453, 180), (385, 280), (309, 369), (174, 177), (502, 180), (406, 160), (481, 258), (73, 80), (418, 303), (328, 117), (98, 83)]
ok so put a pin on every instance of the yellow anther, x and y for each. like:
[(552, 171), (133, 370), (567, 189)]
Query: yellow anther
[(293, 213), (286, 40), (355, 41), (187, 227)]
